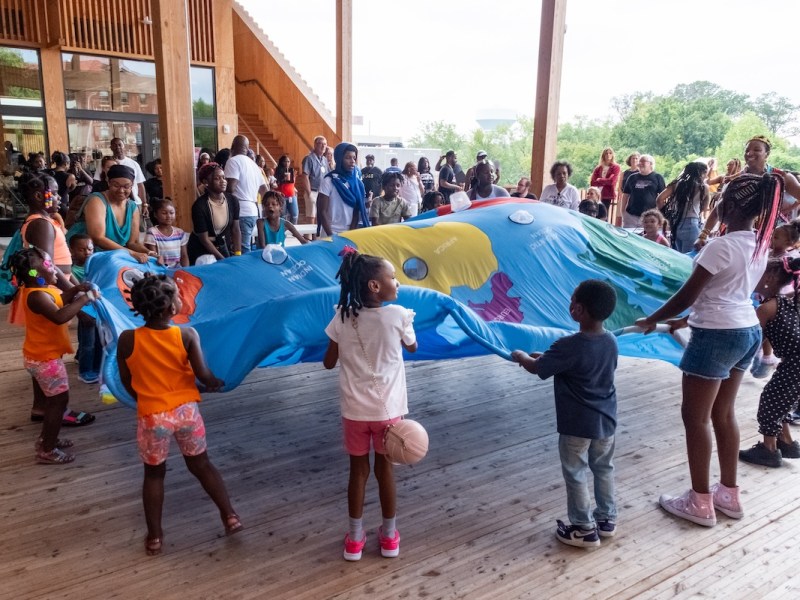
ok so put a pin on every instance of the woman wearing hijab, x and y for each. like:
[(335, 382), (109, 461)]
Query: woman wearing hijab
[(341, 201)]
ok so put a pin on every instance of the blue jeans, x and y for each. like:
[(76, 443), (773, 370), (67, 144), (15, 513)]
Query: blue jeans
[(292, 210), (686, 234), (246, 226), (713, 353), (578, 457), (90, 350)]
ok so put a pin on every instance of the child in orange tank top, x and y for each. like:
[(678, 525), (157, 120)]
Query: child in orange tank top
[(158, 364), (47, 313)]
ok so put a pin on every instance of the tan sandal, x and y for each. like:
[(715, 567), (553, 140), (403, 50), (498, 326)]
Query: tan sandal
[(54, 457), (152, 546), (232, 524)]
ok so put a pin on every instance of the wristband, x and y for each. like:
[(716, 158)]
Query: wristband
[(237, 253)]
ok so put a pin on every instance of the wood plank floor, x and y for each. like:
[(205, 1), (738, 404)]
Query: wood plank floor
[(477, 515)]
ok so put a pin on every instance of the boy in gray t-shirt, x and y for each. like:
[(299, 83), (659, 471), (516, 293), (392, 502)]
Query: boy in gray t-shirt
[(583, 366)]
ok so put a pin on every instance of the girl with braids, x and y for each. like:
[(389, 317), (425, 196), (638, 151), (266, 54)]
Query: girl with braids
[(158, 364), (364, 336), (725, 336), (683, 202), (780, 322), (47, 314)]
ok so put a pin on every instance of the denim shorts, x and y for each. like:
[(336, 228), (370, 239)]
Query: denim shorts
[(712, 353)]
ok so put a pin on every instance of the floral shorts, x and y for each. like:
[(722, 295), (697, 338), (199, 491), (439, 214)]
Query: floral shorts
[(154, 432), (51, 375)]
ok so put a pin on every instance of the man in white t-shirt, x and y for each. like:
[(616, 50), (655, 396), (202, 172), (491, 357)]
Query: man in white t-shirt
[(246, 184), (138, 193)]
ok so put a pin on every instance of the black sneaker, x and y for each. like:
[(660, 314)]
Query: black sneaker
[(572, 535), (760, 455), (606, 528), (789, 450)]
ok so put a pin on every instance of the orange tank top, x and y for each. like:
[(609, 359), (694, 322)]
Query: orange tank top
[(44, 340), (62, 256), (161, 374)]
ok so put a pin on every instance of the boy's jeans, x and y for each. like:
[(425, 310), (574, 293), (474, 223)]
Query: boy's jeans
[(578, 457), (89, 347)]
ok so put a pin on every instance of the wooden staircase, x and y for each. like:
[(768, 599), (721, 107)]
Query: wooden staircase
[(261, 140)]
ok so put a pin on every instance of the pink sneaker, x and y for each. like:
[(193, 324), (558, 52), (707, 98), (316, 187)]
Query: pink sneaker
[(352, 550), (390, 547), (694, 507), (726, 500)]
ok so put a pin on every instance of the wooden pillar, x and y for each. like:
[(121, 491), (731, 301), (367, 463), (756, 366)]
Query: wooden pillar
[(548, 91), (55, 107), (344, 69), (224, 73), (171, 48)]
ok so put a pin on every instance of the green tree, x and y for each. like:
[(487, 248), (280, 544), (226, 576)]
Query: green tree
[(438, 134), (727, 101), (202, 109), (777, 112)]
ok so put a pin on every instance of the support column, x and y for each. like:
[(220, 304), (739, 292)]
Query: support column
[(344, 69), (55, 107), (548, 92), (224, 73), (173, 84)]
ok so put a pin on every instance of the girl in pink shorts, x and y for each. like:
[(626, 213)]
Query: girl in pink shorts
[(48, 311), (158, 364), (368, 338)]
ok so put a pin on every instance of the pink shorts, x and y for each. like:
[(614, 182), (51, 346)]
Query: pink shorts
[(51, 375), (154, 432), (357, 435)]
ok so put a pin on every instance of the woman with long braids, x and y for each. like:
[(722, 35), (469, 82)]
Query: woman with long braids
[(683, 202), (725, 335), (756, 153)]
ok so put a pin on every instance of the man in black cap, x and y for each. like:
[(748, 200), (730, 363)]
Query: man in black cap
[(447, 176), (371, 175)]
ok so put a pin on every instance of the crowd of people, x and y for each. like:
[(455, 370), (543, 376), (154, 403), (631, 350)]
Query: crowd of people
[(740, 222)]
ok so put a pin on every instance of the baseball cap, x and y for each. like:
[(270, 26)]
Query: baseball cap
[(481, 154)]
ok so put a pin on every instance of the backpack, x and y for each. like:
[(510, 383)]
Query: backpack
[(8, 286)]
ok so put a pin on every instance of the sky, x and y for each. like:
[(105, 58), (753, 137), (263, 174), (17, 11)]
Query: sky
[(418, 61)]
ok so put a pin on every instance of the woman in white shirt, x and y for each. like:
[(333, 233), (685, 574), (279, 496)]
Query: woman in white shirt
[(561, 193), (411, 188)]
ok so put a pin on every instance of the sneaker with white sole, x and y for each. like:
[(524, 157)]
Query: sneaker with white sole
[(606, 528), (89, 377), (572, 535), (390, 547), (726, 500), (353, 550), (694, 507)]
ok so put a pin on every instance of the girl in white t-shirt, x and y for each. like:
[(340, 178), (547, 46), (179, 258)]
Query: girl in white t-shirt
[(725, 336), (368, 338)]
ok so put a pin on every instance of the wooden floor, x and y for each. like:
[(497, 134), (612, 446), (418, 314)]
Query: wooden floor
[(477, 515)]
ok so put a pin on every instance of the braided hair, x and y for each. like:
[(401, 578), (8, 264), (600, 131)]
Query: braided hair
[(688, 184), (21, 262), (31, 182), (152, 296), (754, 197), (354, 275), (207, 170), (786, 269)]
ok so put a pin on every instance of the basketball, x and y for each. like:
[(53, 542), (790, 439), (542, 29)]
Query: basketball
[(405, 442)]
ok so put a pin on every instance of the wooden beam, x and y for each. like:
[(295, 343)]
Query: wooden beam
[(224, 73), (173, 84), (548, 92), (344, 69), (54, 99)]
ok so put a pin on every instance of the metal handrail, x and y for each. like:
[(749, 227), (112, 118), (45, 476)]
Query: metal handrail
[(283, 115)]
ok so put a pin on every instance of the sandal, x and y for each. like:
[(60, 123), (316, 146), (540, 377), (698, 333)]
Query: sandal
[(61, 444), (232, 524), (54, 457), (76, 419), (152, 546)]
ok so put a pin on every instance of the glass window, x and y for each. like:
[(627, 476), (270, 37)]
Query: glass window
[(26, 134), (92, 138), (110, 84), (20, 77), (203, 104), (205, 137)]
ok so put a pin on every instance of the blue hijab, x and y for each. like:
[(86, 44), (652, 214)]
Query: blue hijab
[(348, 183)]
